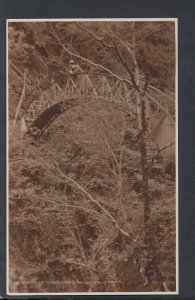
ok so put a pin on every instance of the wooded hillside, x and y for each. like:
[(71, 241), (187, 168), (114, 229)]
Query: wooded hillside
[(92, 201)]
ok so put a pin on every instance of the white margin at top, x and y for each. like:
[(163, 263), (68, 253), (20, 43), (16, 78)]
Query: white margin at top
[(93, 19)]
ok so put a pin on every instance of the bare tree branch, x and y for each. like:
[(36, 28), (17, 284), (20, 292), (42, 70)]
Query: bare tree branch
[(91, 62), (20, 102), (79, 187), (91, 211), (160, 92), (115, 47), (160, 105), (146, 82), (120, 78), (141, 39), (128, 69), (85, 192), (125, 44), (79, 245), (95, 37), (159, 150)]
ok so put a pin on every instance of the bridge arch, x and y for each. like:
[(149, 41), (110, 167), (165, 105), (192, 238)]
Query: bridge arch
[(45, 109), (43, 121)]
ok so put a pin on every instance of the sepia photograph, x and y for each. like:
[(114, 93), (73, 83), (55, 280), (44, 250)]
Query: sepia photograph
[(92, 175)]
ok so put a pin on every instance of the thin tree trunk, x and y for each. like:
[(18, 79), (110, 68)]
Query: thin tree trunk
[(20, 103), (144, 166), (136, 76), (142, 126)]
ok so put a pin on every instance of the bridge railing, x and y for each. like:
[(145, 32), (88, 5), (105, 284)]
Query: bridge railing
[(102, 87)]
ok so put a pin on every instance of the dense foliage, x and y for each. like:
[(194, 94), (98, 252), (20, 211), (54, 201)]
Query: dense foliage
[(66, 189)]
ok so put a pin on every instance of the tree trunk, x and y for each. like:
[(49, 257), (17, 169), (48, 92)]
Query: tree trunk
[(19, 104), (142, 127), (144, 166), (136, 77)]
